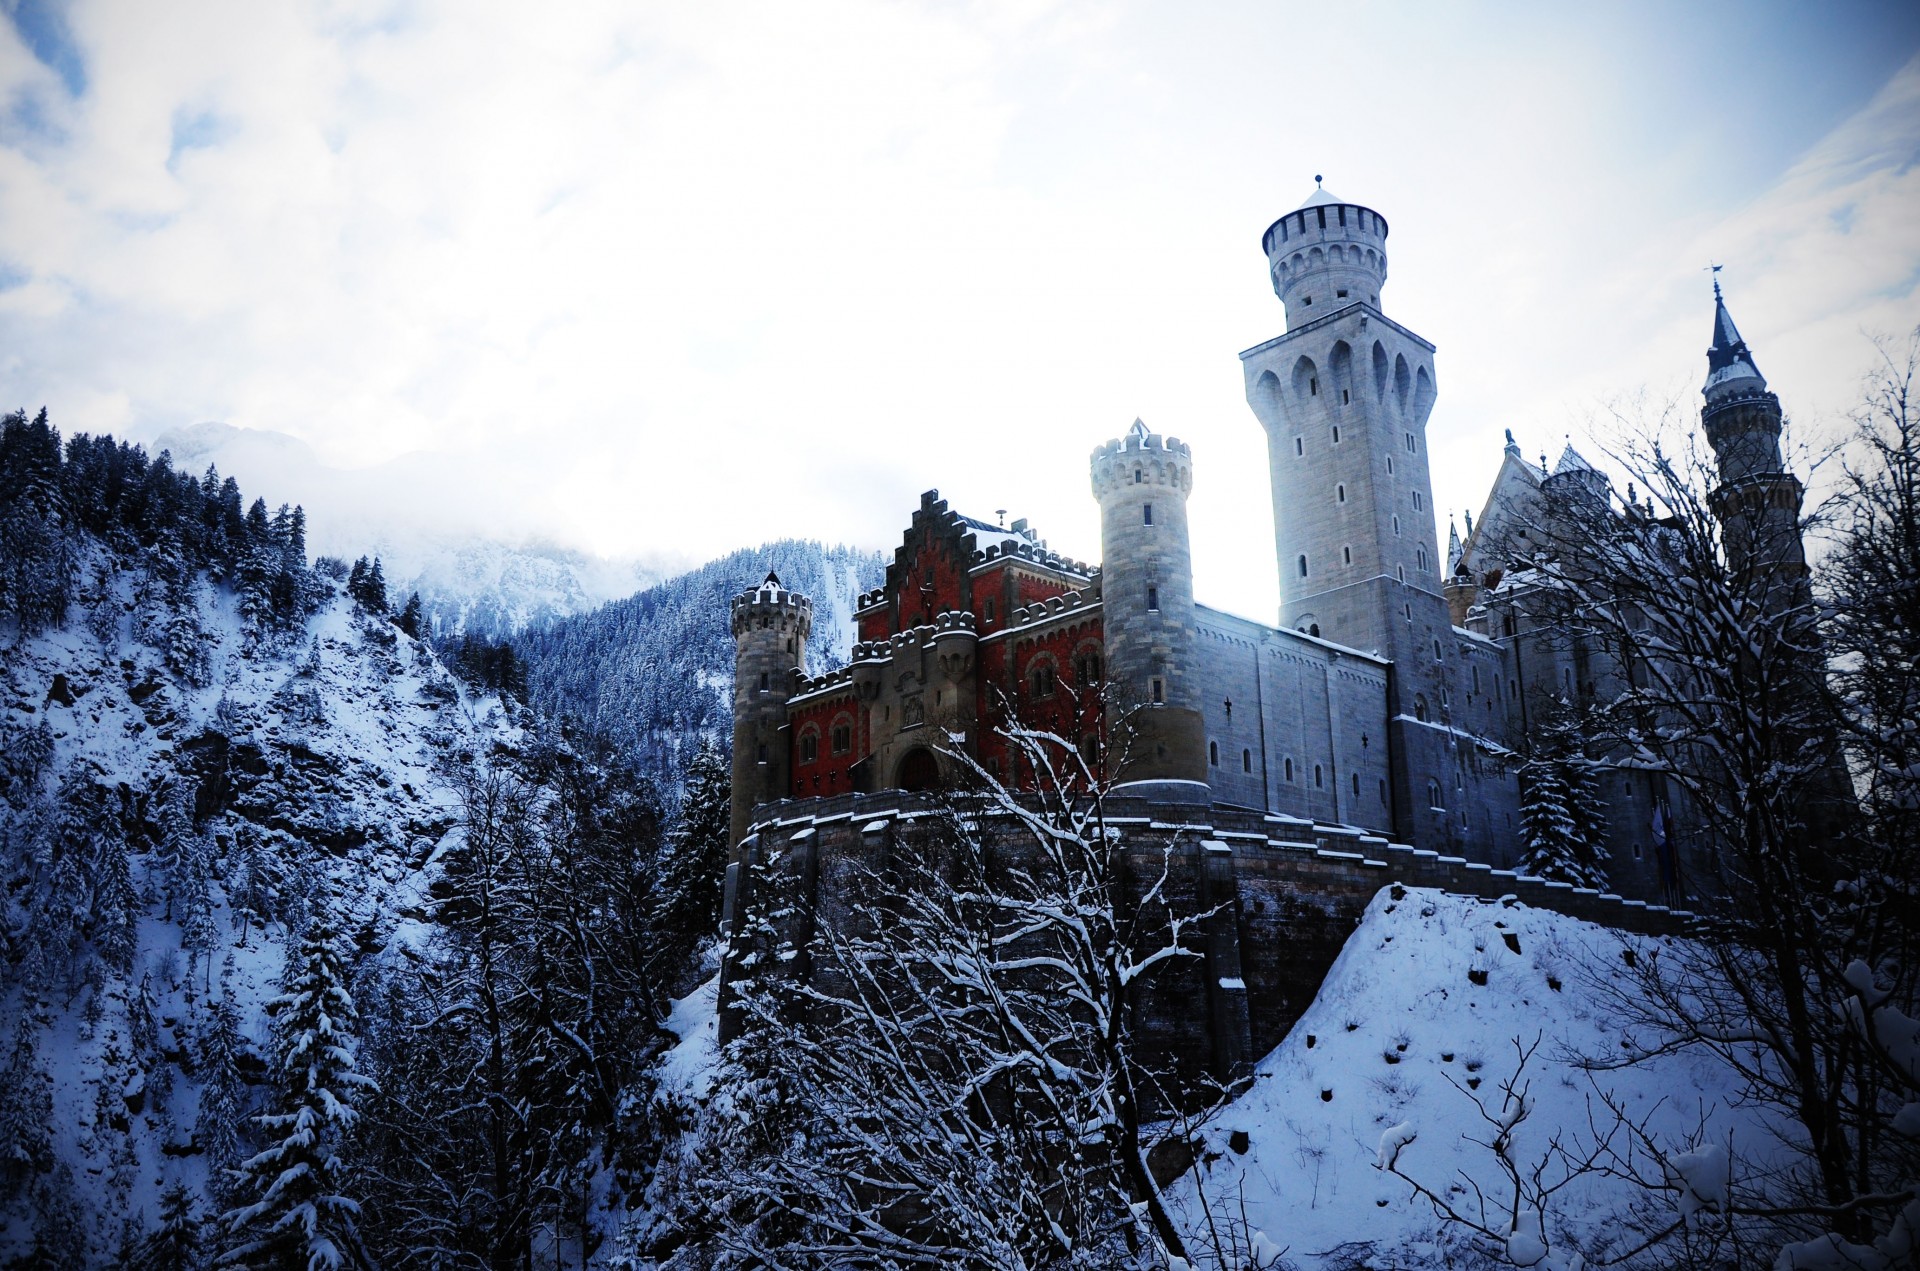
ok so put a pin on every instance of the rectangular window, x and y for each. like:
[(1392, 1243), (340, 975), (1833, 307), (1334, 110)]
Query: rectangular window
[(1299, 446), (989, 608), (1343, 221), (1246, 761), (1159, 691), (1336, 434), (1148, 509), (1153, 598)]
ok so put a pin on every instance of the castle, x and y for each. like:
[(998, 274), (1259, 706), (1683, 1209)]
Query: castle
[(1393, 701)]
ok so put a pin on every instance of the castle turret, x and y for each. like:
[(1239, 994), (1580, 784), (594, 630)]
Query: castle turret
[(1758, 500), (1155, 728), (1326, 254), (770, 629)]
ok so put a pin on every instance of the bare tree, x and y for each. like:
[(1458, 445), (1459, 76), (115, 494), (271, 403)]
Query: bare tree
[(952, 1078), (1720, 646)]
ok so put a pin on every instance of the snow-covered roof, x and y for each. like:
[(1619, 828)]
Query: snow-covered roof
[(1572, 460), (1321, 197), (1729, 362)]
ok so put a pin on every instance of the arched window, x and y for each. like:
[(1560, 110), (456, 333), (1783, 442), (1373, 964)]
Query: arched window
[(1313, 629), (809, 744), (1433, 795), (1318, 777), (1420, 558), (1246, 761), (1346, 555), (1213, 753), (1289, 767), (1340, 493), (1420, 707), (1356, 785), (1303, 565), (1041, 677), (842, 735)]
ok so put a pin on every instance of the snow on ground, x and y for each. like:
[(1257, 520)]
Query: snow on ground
[(1370, 1073), (687, 1069), (352, 716)]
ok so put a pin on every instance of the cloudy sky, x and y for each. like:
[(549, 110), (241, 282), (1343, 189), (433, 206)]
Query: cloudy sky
[(667, 279)]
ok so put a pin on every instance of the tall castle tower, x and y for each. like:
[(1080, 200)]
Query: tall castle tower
[(1344, 396), (1146, 593), (1758, 500), (770, 628)]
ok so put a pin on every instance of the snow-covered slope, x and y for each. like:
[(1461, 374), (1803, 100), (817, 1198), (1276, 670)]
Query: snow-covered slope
[(1423, 1017), (293, 773)]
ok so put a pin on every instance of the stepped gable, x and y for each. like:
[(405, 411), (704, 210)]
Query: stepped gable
[(943, 566)]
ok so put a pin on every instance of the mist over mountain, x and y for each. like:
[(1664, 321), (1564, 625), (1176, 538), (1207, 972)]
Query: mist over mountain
[(434, 521)]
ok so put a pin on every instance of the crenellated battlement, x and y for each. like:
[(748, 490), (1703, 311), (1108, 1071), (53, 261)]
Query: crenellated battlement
[(1141, 460), (772, 608)]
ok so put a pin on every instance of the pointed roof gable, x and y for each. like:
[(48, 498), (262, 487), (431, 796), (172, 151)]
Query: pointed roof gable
[(1730, 365)]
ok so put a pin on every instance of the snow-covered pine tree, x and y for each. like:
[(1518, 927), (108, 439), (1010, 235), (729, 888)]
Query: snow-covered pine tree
[(294, 1211), (175, 1244), (1560, 825), (26, 1113), (411, 619), (694, 865), (223, 1092), (116, 906)]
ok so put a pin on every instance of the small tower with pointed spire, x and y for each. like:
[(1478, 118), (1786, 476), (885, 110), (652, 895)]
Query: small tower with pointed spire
[(1758, 500)]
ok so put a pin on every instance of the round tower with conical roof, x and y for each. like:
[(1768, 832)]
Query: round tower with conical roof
[(770, 629), (1155, 728)]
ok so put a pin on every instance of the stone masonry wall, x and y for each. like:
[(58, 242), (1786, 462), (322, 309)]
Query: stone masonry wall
[(1286, 894)]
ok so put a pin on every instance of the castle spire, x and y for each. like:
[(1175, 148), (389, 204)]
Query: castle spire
[(1730, 365)]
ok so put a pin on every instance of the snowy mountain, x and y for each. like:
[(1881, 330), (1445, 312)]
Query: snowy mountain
[(654, 673), (483, 574), (212, 757), (229, 802)]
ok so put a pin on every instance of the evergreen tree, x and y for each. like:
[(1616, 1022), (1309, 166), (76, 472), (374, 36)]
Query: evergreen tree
[(116, 907), (26, 1114), (411, 620), (223, 1093), (175, 1246), (694, 865), (376, 588), (295, 1212), (1562, 823)]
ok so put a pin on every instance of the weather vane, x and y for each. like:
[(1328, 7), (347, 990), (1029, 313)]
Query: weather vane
[(1715, 270)]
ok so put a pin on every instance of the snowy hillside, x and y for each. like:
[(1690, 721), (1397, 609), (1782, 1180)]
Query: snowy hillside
[(1417, 1027), (285, 778), (654, 672)]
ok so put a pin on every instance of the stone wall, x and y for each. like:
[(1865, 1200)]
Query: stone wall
[(1284, 895)]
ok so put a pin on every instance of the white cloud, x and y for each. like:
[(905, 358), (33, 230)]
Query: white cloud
[(674, 278)]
